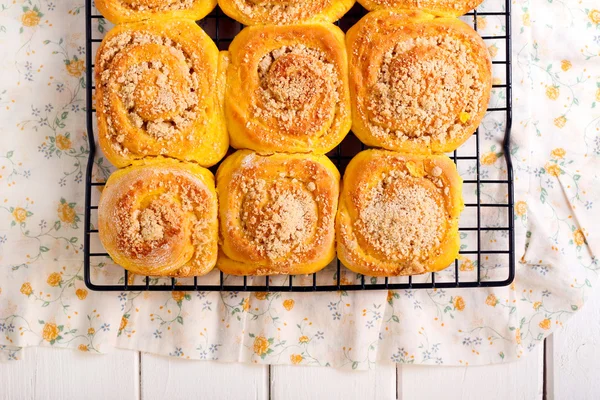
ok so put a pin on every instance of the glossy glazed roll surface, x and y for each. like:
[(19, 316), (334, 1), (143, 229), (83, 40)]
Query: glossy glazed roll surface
[(398, 214), (159, 92), (277, 213), (283, 12), (287, 89), (119, 11), (159, 218), (419, 84)]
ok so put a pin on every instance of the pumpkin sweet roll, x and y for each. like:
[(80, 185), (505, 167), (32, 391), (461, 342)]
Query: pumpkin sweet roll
[(158, 217), (119, 11), (283, 12), (398, 214), (277, 213), (287, 89), (419, 84), (159, 91), (442, 8)]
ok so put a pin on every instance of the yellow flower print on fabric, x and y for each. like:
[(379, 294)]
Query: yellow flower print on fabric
[(75, 67), (178, 296), (459, 303), (19, 214), (31, 18), (560, 122), (63, 142), (303, 339), (545, 324), (261, 346), (520, 208), (296, 359), (26, 289), (552, 92), (594, 16), (54, 279), (288, 304), (246, 304), (489, 158), (66, 214), (558, 153), (467, 265), (491, 300), (579, 237), (81, 294), (565, 65), (50, 332), (553, 169), (261, 295), (481, 23)]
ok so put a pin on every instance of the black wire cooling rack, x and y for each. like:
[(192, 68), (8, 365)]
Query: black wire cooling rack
[(479, 265)]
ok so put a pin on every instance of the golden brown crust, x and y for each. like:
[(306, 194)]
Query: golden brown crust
[(119, 11), (277, 213), (157, 93), (398, 214), (419, 84), (159, 218), (285, 12), (287, 89), (442, 8)]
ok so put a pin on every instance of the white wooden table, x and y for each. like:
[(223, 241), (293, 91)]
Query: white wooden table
[(567, 367)]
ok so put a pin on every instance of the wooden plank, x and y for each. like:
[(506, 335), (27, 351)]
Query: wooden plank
[(572, 355), (172, 378), (47, 373), (301, 383), (517, 380)]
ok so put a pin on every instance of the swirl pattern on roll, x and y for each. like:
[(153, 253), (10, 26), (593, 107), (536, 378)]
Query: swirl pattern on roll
[(420, 84), (442, 8), (119, 11), (159, 218), (398, 214), (159, 93), (277, 213), (284, 12), (287, 89)]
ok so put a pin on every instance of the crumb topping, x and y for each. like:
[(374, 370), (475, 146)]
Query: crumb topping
[(280, 11), (424, 86), (299, 92), (401, 219), (158, 5), (160, 95), (278, 219), (153, 213), (430, 4), (280, 214), (281, 224)]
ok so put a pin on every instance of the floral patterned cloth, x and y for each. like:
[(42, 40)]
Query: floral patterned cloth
[(555, 147)]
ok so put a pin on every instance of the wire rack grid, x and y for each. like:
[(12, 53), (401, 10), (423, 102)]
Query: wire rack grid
[(223, 29)]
